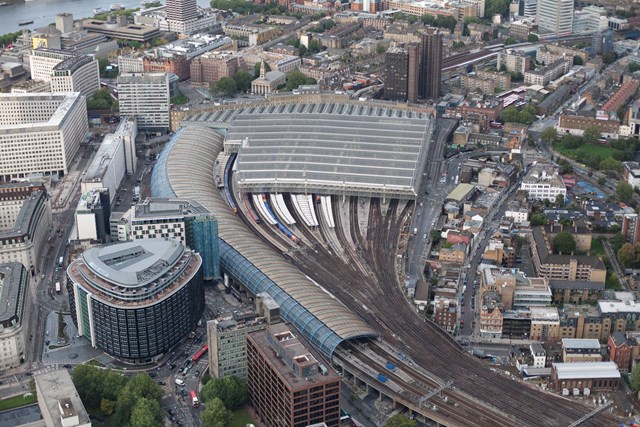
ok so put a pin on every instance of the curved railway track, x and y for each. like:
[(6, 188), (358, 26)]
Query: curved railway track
[(375, 295)]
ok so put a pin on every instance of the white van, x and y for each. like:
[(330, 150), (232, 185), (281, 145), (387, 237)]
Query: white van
[(179, 382)]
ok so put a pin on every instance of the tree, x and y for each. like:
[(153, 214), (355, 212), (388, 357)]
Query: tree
[(564, 243), (146, 413), (380, 49), (610, 164), (107, 406), (591, 134), (314, 46), (215, 414), (493, 7), (532, 38), (510, 114), (243, 81), (549, 135), (602, 181), (302, 50), (138, 387), (635, 379), (88, 381), (232, 391), (559, 200), (435, 236), (608, 57), (227, 86), (400, 421), (296, 78), (538, 219), (510, 41), (577, 60), (627, 255), (624, 191), (633, 67)]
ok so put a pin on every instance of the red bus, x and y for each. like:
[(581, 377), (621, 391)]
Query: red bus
[(200, 353), (194, 399)]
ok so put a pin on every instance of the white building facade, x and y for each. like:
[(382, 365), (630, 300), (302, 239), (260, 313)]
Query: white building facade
[(145, 97), (65, 71), (40, 133)]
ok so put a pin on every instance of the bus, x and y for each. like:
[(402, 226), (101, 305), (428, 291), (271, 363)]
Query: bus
[(58, 288), (200, 353), (194, 399)]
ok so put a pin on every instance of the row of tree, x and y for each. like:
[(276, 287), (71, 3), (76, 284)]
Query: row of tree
[(102, 100), (7, 39), (221, 396), (133, 402), (525, 115)]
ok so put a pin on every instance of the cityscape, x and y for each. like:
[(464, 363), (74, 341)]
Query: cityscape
[(363, 213)]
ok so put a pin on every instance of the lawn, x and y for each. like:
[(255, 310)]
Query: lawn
[(596, 247), (240, 418), (17, 401), (603, 151)]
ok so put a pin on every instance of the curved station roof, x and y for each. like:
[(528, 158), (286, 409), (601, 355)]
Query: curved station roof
[(185, 170)]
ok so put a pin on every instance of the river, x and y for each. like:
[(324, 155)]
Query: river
[(43, 12)]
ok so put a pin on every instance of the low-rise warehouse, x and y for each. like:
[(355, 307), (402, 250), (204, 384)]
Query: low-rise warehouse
[(595, 376)]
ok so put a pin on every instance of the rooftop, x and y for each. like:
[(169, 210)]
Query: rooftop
[(581, 343), (614, 307), (330, 153), (13, 284), (56, 390), (578, 370), (65, 102), (156, 208)]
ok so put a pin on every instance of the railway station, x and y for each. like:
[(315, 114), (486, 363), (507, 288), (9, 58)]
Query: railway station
[(327, 257)]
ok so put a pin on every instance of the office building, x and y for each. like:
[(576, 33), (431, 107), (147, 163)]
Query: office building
[(14, 330), (287, 383), (115, 158), (91, 218), (136, 300), (211, 67), (227, 343), (145, 97), (602, 42), (65, 71), (180, 13), (25, 216), (431, 64), (527, 8), (555, 16), (371, 6), (183, 220), (58, 400), (40, 133)]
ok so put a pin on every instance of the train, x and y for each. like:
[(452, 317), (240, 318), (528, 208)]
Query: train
[(252, 212), (227, 188), (281, 227)]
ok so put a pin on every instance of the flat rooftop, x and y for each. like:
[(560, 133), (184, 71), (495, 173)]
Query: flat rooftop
[(12, 293), (158, 208), (55, 389), (329, 153), (578, 370), (65, 102), (581, 343)]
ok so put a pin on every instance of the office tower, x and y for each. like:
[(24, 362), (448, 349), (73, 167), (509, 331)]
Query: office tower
[(602, 42), (37, 123), (431, 63), (145, 96), (136, 300), (287, 384), (396, 74), (181, 14), (555, 16), (184, 220), (527, 8), (413, 49), (66, 71)]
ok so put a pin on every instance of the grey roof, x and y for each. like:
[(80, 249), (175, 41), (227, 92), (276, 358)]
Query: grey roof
[(575, 284), (132, 264), (12, 293), (25, 225), (190, 162), (327, 152), (581, 343), (583, 370), (166, 208), (549, 258)]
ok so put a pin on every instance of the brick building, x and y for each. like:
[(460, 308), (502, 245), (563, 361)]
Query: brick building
[(620, 351), (287, 384), (178, 65), (210, 68)]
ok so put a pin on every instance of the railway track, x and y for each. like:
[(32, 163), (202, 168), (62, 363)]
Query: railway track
[(369, 286)]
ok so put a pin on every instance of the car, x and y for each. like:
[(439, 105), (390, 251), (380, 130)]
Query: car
[(171, 412), (179, 382), (183, 392), (67, 366), (173, 419)]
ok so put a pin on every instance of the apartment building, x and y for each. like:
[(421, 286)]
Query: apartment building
[(211, 67), (576, 350), (543, 182), (544, 75), (515, 61), (40, 133)]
